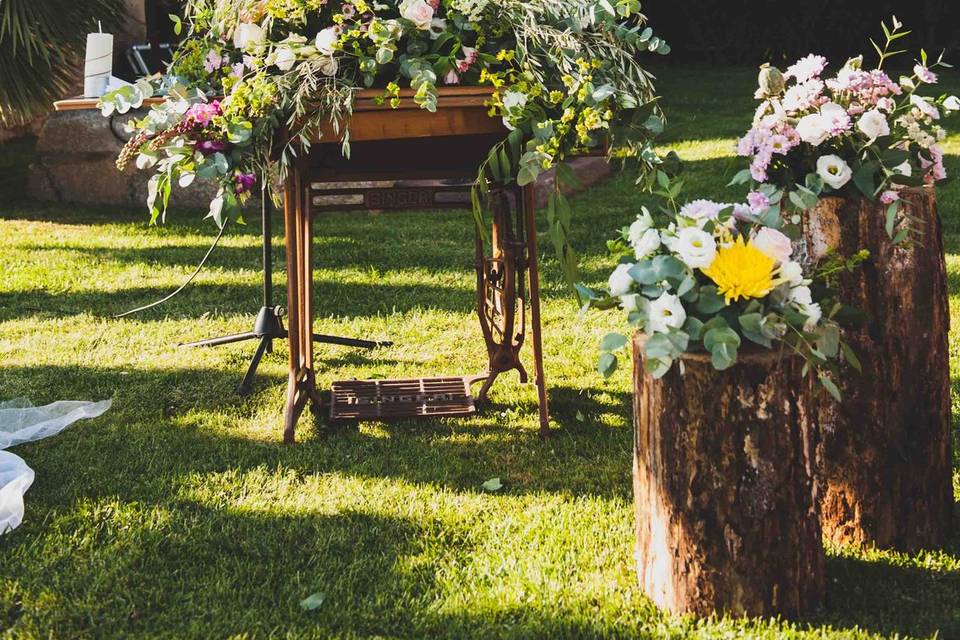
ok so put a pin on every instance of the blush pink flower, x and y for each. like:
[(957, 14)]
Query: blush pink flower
[(451, 77), (806, 68), (758, 202), (203, 112), (925, 74), (889, 197)]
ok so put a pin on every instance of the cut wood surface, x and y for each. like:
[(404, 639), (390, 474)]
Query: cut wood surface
[(723, 482), (884, 460)]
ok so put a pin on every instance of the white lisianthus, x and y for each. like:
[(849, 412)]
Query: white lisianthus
[(834, 171), (874, 124), (620, 281), (247, 34), (329, 66), (639, 227), (513, 99), (696, 247), (774, 244), (647, 244), (418, 12), (284, 58), (812, 129), (801, 296), (327, 40), (630, 302), (792, 273), (952, 103), (802, 299), (666, 312)]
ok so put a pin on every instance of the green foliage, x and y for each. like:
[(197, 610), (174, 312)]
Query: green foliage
[(41, 44)]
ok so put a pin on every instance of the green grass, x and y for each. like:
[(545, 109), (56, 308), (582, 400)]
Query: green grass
[(179, 514)]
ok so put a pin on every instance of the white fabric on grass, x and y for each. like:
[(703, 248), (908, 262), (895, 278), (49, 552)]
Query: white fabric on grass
[(19, 423)]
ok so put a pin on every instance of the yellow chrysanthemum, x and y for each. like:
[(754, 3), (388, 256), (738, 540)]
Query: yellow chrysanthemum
[(742, 271)]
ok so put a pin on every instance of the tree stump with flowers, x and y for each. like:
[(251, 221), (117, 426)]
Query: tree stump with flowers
[(884, 461), (723, 482)]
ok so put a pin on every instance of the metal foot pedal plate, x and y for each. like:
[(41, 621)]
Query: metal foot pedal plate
[(402, 398)]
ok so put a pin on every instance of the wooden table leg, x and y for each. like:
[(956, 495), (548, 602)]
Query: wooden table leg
[(291, 205), (530, 215)]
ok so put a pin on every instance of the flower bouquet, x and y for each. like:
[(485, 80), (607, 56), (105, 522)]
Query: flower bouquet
[(856, 133), (253, 81), (708, 276)]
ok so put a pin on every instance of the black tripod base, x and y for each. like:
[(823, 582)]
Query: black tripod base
[(267, 328)]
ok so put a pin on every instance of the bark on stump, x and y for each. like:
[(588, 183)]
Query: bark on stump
[(723, 486), (884, 458)]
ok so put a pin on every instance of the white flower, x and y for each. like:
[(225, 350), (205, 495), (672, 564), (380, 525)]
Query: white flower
[(792, 272), (904, 169), (814, 314), (696, 247), (326, 41), (247, 34), (701, 210), (648, 243), (630, 302), (874, 124), (620, 280), (925, 107), (666, 312), (952, 103), (329, 66), (418, 12), (801, 296), (774, 244), (813, 129), (513, 99), (284, 58), (834, 171), (639, 227)]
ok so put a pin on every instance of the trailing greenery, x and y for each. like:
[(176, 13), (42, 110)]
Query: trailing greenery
[(178, 514), (41, 45)]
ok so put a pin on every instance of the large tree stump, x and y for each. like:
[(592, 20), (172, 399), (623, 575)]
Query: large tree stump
[(723, 485), (884, 462)]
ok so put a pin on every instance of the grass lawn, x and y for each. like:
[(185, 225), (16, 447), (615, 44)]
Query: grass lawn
[(179, 514)]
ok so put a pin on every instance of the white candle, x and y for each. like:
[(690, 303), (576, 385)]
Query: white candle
[(98, 64)]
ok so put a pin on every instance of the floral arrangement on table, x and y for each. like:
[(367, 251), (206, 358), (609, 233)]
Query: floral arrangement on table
[(253, 80), (709, 276), (857, 133)]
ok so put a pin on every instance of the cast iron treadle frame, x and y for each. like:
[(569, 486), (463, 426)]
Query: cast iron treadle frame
[(401, 398)]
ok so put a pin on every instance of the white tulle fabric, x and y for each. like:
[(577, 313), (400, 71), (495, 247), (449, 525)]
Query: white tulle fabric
[(20, 422)]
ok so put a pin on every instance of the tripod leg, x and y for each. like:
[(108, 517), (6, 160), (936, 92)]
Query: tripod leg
[(246, 386)]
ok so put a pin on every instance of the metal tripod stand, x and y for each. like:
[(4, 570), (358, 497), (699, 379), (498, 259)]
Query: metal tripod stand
[(269, 323)]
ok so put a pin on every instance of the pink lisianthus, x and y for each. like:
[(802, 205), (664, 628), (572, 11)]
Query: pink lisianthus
[(203, 112), (758, 202), (889, 197), (925, 74)]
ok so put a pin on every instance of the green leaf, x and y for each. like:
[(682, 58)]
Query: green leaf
[(742, 177), (710, 301), (607, 364), (864, 178), (492, 485), (613, 342), (850, 356), (829, 385), (312, 602), (891, 218)]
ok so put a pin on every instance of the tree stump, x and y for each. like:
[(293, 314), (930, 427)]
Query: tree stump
[(723, 485), (884, 458)]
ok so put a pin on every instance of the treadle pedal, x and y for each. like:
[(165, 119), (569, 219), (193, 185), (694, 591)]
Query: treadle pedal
[(402, 398)]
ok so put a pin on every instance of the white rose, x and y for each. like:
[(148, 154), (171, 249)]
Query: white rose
[(329, 66), (666, 312), (812, 129), (696, 247), (630, 302), (792, 272), (952, 103), (620, 280), (418, 12), (284, 58), (834, 171), (774, 244), (874, 124), (639, 227), (648, 243), (326, 41), (513, 99), (247, 34), (904, 169)]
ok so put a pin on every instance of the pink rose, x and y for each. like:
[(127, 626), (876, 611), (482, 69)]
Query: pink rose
[(774, 244), (418, 12)]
